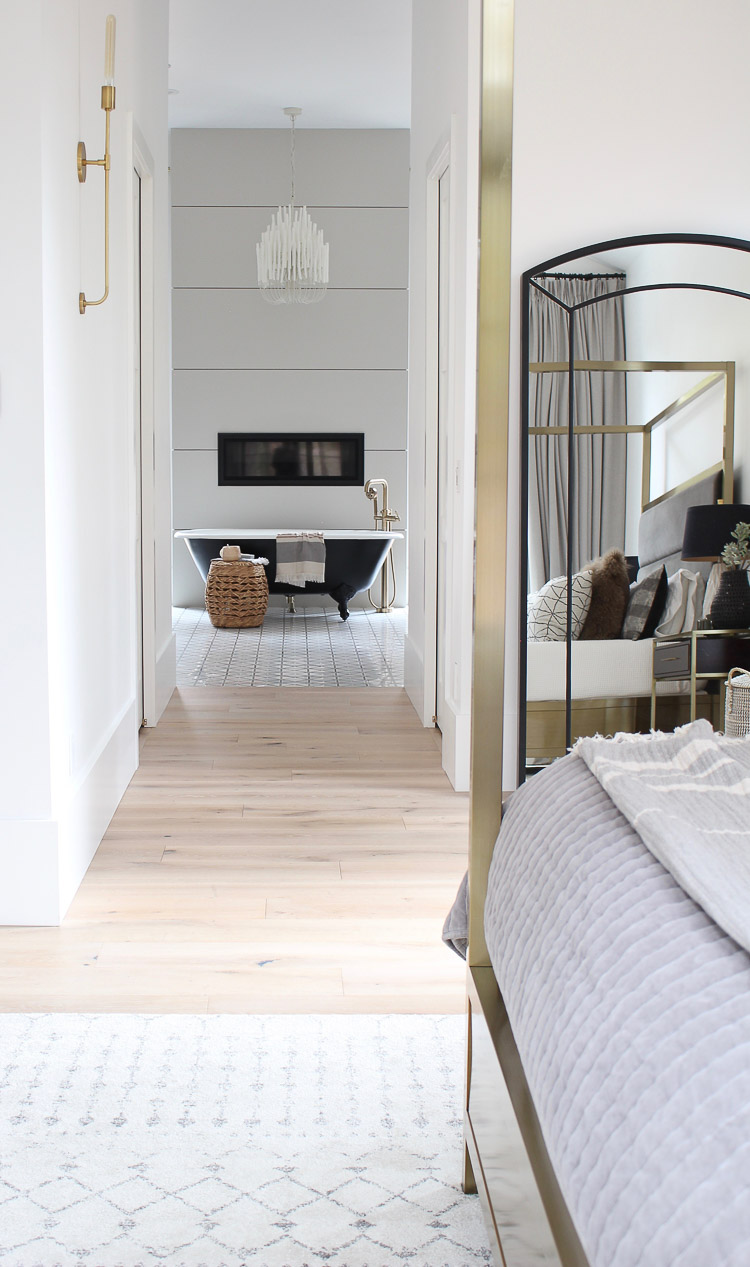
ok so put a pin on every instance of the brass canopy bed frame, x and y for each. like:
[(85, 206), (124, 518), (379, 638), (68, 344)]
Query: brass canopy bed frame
[(503, 1133)]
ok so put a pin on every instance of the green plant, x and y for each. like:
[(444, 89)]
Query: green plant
[(736, 554)]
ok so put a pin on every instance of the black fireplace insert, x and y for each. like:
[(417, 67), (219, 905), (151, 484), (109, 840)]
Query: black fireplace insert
[(275, 457)]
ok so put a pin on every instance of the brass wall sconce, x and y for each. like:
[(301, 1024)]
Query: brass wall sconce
[(108, 105)]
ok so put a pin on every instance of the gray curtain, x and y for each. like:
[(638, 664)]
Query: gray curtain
[(598, 516)]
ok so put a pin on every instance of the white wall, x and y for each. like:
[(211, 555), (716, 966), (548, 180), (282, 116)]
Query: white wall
[(241, 364), (627, 119), (28, 834), (69, 743), (445, 111)]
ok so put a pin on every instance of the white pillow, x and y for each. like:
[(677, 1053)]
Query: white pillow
[(547, 610), (712, 587), (684, 606)]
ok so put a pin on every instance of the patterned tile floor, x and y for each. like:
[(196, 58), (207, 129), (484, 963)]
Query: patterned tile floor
[(313, 647)]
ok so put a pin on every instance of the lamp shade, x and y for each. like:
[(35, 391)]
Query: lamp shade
[(709, 528)]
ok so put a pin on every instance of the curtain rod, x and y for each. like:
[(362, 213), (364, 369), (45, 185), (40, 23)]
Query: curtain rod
[(584, 277)]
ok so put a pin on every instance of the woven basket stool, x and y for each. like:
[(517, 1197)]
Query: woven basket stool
[(236, 594), (737, 706)]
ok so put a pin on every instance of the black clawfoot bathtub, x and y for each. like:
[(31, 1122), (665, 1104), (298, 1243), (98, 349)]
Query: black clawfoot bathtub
[(353, 559)]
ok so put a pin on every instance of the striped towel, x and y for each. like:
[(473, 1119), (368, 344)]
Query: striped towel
[(687, 795), (300, 557)]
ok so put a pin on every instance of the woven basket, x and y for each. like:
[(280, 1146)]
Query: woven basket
[(737, 707), (236, 594)]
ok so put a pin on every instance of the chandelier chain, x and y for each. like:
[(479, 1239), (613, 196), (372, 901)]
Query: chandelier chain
[(292, 160)]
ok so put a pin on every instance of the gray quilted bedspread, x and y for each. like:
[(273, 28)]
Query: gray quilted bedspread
[(631, 1010)]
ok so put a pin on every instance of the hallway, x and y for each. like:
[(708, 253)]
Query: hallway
[(278, 850)]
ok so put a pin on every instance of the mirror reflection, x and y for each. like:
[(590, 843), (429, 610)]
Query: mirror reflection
[(629, 423)]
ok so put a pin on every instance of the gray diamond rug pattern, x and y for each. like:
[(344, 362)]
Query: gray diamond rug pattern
[(220, 1141)]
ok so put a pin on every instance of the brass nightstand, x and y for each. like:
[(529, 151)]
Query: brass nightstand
[(702, 653)]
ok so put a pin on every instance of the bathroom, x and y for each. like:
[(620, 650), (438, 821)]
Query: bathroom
[(311, 371)]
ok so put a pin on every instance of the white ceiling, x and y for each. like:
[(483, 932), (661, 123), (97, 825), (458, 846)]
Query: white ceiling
[(237, 63)]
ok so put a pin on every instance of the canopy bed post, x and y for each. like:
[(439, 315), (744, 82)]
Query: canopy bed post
[(727, 454), (571, 523), (523, 570), (493, 377)]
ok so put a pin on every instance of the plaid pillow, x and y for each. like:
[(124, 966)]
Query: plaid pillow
[(645, 605)]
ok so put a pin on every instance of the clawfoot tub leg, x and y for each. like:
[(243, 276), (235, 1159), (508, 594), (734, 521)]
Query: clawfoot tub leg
[(341, 595)]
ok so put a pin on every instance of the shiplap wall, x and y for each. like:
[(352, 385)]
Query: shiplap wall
[(241, 364)]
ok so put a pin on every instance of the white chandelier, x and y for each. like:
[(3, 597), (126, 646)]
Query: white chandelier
[(292, 256)]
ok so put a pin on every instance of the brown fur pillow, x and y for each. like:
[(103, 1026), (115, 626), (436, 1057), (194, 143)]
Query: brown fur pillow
[(610, 591)]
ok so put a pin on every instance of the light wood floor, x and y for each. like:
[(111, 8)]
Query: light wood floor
[(279, 850)]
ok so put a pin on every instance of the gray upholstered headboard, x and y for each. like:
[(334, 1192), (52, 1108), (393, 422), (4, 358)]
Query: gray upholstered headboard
[(661, 528)]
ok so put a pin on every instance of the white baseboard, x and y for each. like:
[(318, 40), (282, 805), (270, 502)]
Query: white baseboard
[(166, 676), (42, 863), (93, 802), (456, 731), (29, 887), (456, 747), (414, 678)]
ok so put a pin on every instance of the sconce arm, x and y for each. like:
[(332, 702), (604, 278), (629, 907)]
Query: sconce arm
[(82, 163)]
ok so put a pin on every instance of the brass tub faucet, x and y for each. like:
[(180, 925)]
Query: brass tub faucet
[(383, 520)]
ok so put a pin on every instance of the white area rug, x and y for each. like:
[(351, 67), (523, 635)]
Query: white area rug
[(219, 1141)]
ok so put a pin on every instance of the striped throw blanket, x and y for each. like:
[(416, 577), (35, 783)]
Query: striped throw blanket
[(300, 557), (687, 795)]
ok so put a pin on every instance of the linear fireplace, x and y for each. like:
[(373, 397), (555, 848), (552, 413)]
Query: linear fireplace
[(275, 457)]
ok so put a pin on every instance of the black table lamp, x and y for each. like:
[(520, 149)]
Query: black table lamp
[(709, 528)]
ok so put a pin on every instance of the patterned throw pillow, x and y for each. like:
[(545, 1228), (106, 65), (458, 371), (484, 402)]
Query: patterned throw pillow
[(645, 605), (547, 609)]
